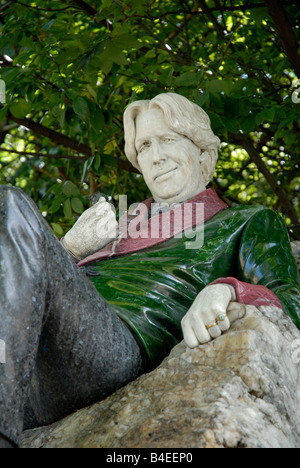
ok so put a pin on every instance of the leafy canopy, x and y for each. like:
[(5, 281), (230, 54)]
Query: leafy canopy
[(71, 67)]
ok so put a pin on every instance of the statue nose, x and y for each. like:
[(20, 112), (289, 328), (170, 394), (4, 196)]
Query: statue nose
[(158, 154)]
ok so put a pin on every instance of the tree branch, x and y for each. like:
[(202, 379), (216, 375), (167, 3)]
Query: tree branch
[(65, 141), (221, 9), (281, 194), (6, 5), (44, 155), (285, 32), (85, 7)]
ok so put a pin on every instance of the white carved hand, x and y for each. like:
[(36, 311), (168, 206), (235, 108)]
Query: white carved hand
[(211, 313), (95, 228)]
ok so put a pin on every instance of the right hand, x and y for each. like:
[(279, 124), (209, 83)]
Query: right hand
[(212, 313), (95, 228)]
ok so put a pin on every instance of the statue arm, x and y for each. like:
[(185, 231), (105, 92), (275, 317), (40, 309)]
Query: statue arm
[(268, 276), (267, 269), (266, 259)]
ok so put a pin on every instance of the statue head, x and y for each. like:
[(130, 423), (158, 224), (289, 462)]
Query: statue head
[(170, 141)]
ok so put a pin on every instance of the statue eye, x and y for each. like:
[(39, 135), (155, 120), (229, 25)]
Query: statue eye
[(169, 140), (144, 146)]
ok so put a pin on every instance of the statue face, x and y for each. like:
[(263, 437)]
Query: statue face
[(169, 161)]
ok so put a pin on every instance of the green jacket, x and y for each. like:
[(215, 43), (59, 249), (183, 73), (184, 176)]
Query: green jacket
[(152, 289)]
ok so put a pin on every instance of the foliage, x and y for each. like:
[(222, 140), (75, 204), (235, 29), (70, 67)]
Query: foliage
[(71, 67)]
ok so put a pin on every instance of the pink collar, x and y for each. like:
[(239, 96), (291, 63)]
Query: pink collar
[(159, 228)]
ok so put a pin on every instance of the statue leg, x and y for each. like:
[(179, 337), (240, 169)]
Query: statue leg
[(65, 347)]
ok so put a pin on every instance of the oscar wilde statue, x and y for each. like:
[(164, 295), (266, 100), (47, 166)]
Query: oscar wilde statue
[(75, 331)]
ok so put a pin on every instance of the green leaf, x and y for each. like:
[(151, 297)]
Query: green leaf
[(217, 86), (111, 55), (55, 206), (92, 91), (97, 162), (259, 14), (62, 117), (56, 188), (10, 75), (57, 229), (109, 160), (97, 119), (245, 106), (77, 205), (106, 3), (266, 115), (248, 125), (48, 25), (229, 23), (202, 99), (126, 42), (67, 209), (231, 107), (81, 108), (70, 189), (189, 79), (232, 125), (20, 108), (216, 122)]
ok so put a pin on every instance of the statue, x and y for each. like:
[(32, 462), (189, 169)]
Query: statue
[(77, 331)]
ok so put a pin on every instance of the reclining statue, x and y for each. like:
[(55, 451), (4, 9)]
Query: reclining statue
[(75, 331)]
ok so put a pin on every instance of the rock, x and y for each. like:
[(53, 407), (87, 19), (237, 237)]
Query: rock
[(240, 390)]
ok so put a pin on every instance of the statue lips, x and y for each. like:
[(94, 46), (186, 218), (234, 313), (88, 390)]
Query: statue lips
[(164, 174)]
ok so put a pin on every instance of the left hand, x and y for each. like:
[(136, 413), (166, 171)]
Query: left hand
[(93, 230), (211, 313)]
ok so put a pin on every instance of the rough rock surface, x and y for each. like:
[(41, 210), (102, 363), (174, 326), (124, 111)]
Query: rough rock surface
[(240, 390)]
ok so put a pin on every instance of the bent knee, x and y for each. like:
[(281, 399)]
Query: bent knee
[(16, 204), (10, 189), (14, 194)]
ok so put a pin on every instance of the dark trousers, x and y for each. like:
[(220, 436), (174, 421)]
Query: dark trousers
[(65, 347)]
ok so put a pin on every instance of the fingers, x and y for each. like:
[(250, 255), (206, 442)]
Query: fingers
[(198, 332), (107, 228), (103, 208), (94, 229), (223, 322), (236, 311), (106, 223), (194, 333), (220, 325), (214, 331)]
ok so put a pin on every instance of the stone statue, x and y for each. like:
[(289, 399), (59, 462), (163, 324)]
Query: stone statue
[(77, 331)]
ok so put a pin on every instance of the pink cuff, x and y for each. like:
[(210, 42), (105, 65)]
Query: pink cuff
[(251, 294)]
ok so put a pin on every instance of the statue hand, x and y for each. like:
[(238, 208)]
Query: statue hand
[(211, 313), (95, 228)]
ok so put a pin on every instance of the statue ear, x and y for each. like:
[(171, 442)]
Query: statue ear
[(208, 161)]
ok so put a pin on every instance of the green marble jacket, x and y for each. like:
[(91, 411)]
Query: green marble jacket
[(152, 288)]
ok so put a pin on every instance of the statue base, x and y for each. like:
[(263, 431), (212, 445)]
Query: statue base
[(240, 390)]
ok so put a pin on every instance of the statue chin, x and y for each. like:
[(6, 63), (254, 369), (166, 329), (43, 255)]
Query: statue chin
[(172, 197)]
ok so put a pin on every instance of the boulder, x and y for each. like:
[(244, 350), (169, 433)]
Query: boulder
[(240, 390)]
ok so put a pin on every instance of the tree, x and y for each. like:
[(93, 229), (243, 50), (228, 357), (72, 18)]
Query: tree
[(71, 67)]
